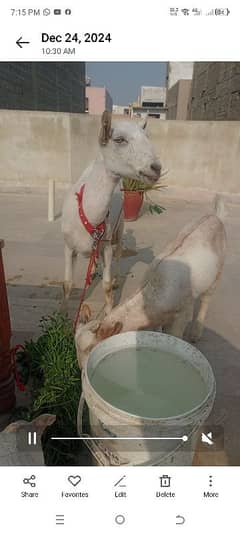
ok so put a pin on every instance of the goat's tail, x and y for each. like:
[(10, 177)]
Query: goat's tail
[(219, 207)]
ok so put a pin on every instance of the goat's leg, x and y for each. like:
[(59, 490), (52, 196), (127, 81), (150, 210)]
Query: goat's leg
[(70, 260), (199, 317), (107, 276), (180, 321), (118, 254)]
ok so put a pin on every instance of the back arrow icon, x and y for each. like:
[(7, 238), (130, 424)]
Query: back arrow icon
[(19, 42), (180, 520)]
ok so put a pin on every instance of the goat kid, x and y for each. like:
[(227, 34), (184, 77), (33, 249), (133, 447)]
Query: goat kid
[(187, 270), (126, 151)]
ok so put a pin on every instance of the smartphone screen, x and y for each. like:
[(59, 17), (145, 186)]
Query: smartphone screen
[(119, 267)]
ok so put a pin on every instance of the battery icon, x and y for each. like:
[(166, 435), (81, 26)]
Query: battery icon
[(225, 11), (57, 12)]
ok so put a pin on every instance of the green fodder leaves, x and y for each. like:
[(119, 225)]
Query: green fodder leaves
[(155, 209), (56, 385)]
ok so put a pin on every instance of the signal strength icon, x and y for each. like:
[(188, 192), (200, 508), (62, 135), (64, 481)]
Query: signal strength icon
[(210, 13)]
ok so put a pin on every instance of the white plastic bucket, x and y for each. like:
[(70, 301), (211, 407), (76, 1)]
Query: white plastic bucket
[(107, 421)]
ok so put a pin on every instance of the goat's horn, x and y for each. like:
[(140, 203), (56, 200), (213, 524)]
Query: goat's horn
[(105, 132)]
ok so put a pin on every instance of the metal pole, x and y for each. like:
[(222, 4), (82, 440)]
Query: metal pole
[(51, 200)]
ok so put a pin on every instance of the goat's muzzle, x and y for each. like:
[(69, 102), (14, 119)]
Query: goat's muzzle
[(157, 168)]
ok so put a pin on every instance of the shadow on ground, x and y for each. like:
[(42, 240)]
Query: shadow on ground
[(224, 359)]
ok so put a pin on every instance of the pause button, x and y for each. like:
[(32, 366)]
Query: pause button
[(32, 438)]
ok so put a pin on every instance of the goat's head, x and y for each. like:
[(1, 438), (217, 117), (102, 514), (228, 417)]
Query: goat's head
[(39, 424), (13, 442), (90, 332), (127, 151)]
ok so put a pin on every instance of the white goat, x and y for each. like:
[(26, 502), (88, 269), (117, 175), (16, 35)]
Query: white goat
[(188, 269), (125, 151)]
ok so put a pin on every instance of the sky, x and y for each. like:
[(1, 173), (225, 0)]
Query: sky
[(124, 79)]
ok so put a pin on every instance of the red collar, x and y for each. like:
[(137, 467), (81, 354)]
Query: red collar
[(95, 231)]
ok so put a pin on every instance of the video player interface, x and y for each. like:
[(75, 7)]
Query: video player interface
[(119, 304)]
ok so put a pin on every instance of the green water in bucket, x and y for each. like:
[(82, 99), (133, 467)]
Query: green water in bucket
[(148, 383)]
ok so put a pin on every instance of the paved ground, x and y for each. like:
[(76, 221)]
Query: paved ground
[(33, 257)]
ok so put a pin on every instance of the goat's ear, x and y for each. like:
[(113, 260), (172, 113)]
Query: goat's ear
[(106, 128), (143, 123), (108, 331), (40, 423), (15, 426), (85, 314), (43, 421)]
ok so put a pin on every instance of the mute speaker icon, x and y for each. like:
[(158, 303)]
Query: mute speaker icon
[(208, 439)]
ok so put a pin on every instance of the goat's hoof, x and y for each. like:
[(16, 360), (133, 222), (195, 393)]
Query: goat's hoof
[(194, 337), (196, 331), (115, 284), (192, 340), (67, 288)]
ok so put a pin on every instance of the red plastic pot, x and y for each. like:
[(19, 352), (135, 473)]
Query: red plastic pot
[(7, 384), (132, 203)]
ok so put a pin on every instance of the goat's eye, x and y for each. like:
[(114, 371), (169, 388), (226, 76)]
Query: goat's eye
[(120, 140)]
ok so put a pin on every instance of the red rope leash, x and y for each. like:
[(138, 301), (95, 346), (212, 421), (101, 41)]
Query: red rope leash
[(88, 280), (88, 226), (97, 233)]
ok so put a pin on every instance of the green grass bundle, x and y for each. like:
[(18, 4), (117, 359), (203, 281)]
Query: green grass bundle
[(56, 386), (130, 184)]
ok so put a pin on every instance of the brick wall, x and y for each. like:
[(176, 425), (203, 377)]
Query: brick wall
[(178, 100), (215, 91), (43, 86), (172, 101)]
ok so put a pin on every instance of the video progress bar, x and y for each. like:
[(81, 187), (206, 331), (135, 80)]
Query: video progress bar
[(184, 438)]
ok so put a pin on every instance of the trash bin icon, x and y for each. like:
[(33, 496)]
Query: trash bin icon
[(165, 481)]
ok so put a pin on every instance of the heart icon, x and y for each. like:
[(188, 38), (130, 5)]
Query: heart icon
[(74, 480)]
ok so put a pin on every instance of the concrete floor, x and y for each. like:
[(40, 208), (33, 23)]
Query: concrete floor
[(33, 258)]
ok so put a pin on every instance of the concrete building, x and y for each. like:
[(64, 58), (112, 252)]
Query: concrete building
[(178, 98), (43, 86), (120, 110), (151, 102), (215, 91), (178, 70), (153, 96), (97, 100)]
